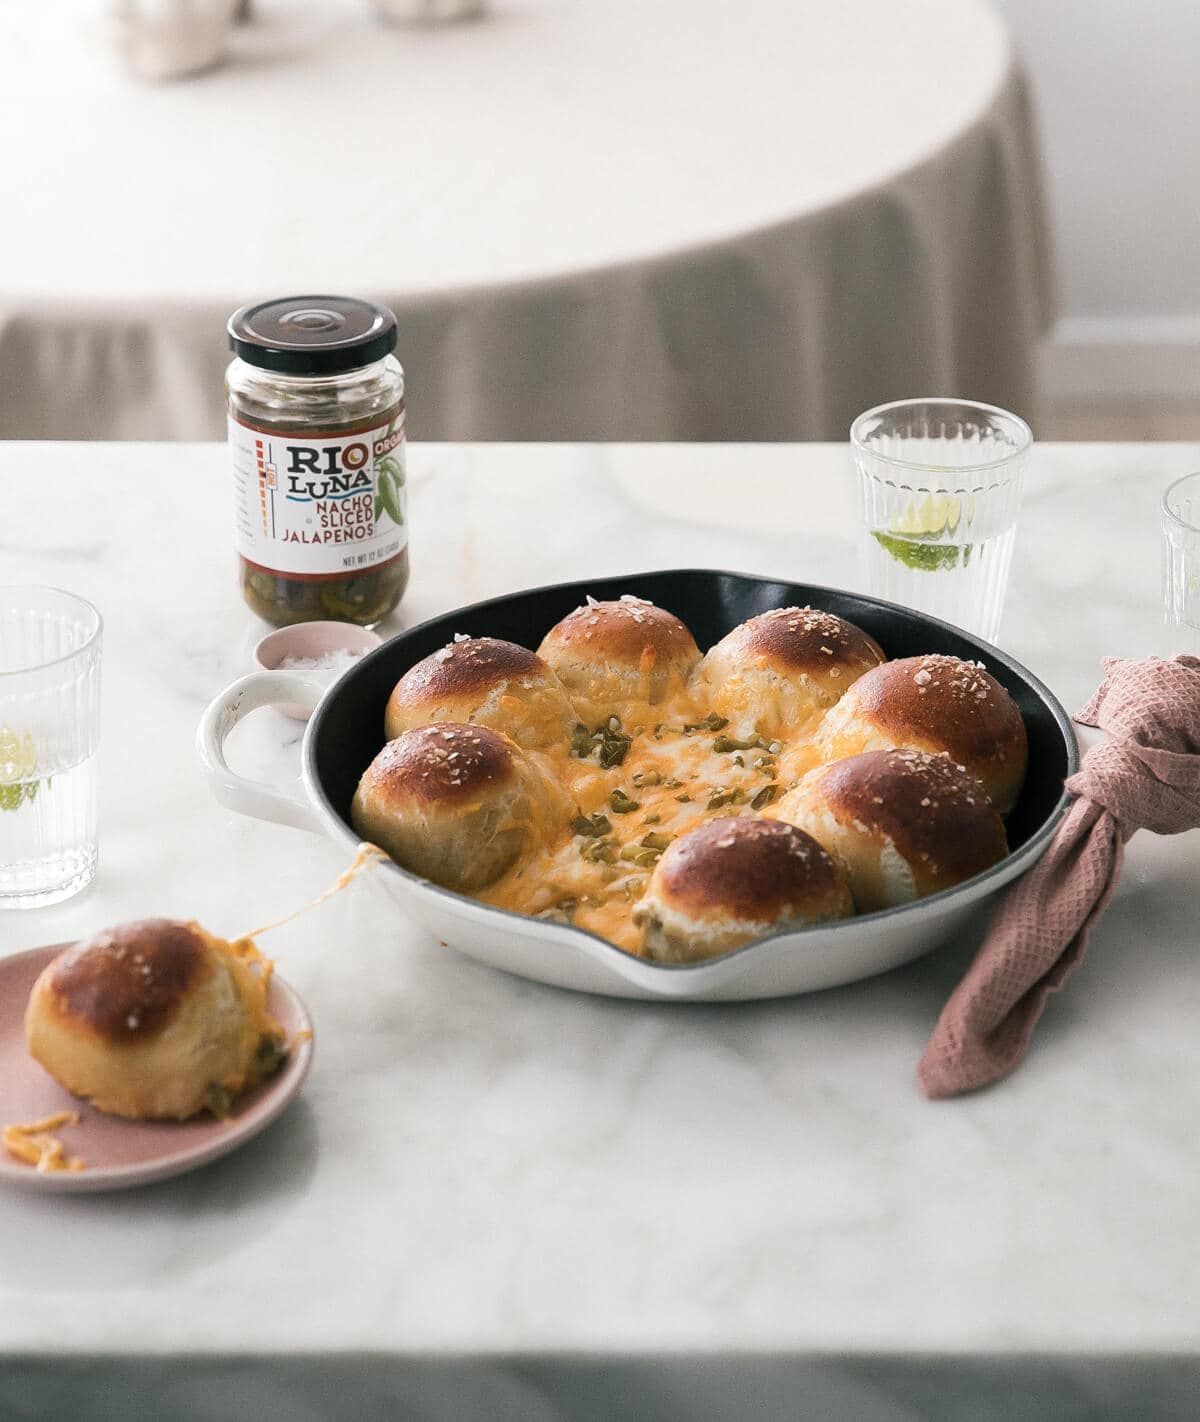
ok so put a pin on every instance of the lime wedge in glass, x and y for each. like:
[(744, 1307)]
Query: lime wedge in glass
[(18, 762), (914, 538), (926, 557), (930, 516)]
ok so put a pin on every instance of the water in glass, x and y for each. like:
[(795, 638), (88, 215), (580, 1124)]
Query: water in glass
[(49, 731)]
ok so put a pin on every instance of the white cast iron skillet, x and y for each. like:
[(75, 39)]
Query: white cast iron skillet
[(346, 730)]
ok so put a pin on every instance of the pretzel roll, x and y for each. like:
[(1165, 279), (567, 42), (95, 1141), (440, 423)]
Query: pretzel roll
[(155, 1019), (902, 823), (777, 672), (934, 703), (620, 658), (484, 682), (732, 880), (457, 804)]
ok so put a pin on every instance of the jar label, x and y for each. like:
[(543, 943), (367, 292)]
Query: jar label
[(330, 506)]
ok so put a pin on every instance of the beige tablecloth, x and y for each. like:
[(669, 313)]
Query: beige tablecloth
[(595, 219)]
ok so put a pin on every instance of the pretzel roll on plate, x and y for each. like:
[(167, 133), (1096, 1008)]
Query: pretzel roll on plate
[(155, 1019), (455, 803), (732, 880), (934, 703), (620, 658), (902, 823), (484, 681), (776, 673)]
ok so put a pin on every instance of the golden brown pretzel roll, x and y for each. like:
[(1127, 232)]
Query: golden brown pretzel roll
[(454, 803), (155, 1019), (617, 658), (732, 880), (902, 823), (485, 682), (934, 703), (776, 672)]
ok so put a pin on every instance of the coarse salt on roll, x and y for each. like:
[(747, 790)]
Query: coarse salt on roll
[(620, 659), (484, 681), (156, 1019), (775, 673), (732, 880), (455, 803), (934, 703), (902, 824)]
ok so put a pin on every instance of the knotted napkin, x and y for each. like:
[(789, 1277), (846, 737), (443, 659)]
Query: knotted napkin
[(1145, 775)]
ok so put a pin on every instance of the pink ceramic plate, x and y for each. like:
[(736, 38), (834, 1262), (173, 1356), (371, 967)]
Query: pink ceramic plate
[(117, 1153)]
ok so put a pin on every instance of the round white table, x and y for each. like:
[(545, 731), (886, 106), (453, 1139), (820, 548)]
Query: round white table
[(593, 218), (495, 1200)]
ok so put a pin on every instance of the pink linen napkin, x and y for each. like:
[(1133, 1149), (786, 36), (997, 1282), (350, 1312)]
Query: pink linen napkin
[(1145, 775)]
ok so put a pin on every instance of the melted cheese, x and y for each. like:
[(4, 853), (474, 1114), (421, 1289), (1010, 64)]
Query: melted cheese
[(367, 855), (34, 1144), (677, 779), (251, 970)]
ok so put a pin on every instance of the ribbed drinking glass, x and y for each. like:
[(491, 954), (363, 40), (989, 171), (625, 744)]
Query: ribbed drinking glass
[(1181, 564), (49, 732), (939, 489)]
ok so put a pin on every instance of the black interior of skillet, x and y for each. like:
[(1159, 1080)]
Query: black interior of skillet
[(347, 730)]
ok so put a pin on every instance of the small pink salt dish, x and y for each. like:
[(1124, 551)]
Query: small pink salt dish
[(325, 649)]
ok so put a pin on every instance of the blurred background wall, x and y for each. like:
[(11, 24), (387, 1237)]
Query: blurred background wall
[(1118, 103)]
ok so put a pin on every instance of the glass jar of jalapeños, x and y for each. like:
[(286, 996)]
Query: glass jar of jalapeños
[(316, 432)]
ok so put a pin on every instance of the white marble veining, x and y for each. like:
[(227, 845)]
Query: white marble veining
[(487, 1169)]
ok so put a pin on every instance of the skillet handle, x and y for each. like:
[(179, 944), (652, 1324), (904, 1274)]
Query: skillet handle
[(285, 805)]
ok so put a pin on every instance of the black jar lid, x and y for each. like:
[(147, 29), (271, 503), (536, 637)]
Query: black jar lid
[(312, 335)]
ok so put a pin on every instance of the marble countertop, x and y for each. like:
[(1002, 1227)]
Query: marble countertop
[(487, 1170)]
